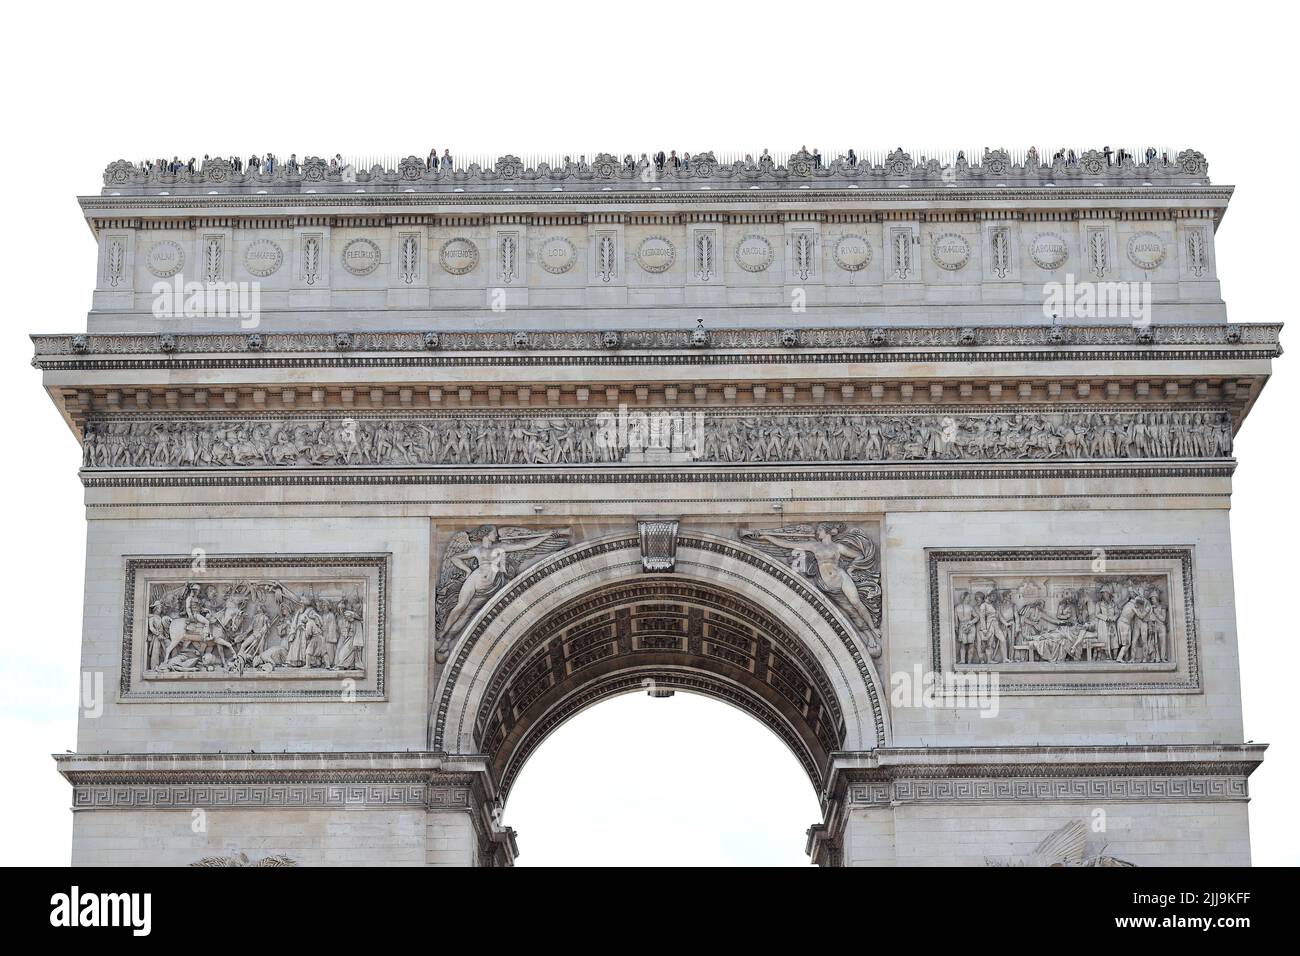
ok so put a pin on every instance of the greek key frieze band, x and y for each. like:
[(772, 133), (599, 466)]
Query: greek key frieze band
[(1019, 790)]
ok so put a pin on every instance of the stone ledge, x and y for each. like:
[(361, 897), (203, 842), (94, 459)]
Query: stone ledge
[(1046, 760), (278, 764), (966, 340)]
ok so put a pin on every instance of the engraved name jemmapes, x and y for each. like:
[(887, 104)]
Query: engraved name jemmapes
[(1021, 620), (596, 439), (251, 628)]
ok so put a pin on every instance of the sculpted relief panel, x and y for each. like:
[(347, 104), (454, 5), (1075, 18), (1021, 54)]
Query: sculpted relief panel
[(249, 627), (1012, 619), (648, 437), (1066, 619), (479, 563), (209, 625), (842, 562)]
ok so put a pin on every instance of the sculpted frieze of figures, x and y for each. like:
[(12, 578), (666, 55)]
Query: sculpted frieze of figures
[(250, 628), (1013, 619), (671, 435)]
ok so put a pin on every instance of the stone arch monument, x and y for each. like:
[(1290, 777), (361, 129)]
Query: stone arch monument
[(926, 467)]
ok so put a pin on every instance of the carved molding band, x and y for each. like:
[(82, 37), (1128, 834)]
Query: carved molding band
[(1174, 789), (678, 339), (265, 796), (663, 437)]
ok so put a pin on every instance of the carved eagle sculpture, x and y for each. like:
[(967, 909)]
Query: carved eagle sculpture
[(1065, 846), (243, 860)]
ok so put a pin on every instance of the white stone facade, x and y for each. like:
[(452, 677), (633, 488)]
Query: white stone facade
[(382, 532)]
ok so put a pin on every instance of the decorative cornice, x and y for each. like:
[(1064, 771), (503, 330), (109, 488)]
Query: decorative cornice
[(1039, 342), (1043, 773), (561, 475)]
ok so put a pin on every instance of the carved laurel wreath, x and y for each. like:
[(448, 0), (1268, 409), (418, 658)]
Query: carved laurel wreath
[(845, 264), (166, 272), (467, 265), (1146, 263), (951, 266), (661, 267), (1037, 250), (557, 268), (373, 263), (267, 267), (754, 266)]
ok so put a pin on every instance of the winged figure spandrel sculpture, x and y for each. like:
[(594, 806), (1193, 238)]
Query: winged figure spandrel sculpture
[(476, 565), (842, 562)]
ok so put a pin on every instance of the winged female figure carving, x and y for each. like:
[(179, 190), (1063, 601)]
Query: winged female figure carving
[(476, 565), (842, 562)]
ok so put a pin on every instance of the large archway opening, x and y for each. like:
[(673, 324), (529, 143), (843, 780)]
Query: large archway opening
[(661, 635), (677, 781), (590, 625)]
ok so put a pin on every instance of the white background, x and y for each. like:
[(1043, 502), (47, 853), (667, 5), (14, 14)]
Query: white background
[(682, 780)]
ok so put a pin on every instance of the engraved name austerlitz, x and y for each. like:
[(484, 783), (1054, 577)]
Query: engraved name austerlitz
[(596, 439)]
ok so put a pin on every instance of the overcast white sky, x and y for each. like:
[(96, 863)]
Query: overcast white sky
[(681, 780)]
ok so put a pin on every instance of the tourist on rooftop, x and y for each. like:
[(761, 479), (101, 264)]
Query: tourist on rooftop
[(446, 159)]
